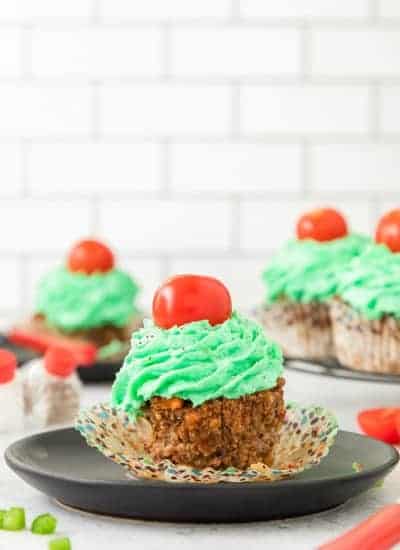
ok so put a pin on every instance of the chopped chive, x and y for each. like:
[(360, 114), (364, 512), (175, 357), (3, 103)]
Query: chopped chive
[(60, 544), (44, 524), (14, 519), (2, 514)]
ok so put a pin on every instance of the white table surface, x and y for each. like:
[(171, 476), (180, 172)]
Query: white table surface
[(95, 533)]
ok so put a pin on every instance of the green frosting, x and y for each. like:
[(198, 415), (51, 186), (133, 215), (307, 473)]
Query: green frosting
[(307, 270), (371, 283), (197, 362), (75, 301)]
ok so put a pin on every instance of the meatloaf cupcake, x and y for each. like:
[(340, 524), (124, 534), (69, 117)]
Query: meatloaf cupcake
[(86, 300), (207, 381), (366, 313), (302, 278), (200, 397)]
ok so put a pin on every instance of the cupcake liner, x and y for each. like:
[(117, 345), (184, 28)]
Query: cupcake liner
[(305, 438), (360, 344), (302, 330)]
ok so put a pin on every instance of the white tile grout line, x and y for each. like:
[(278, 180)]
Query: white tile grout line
[(334, 23), (95, 122), (235, 240), (95, 215), (165, 53), (24, 279), (306, 182), (157, 255), (25, 146), (26, 53), (374, 111), (165, 170), (373, 9), (305, 54), (209, 196), (236, 11), (236, 110), (270, 138), (207, 80), (96, 12), (165, 266)]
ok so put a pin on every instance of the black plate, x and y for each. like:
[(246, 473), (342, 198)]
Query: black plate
[(101, 371), (60, 464), (335, 370), (23, 355)]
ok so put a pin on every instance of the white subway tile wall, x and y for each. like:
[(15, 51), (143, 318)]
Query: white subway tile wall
[(190, 134)]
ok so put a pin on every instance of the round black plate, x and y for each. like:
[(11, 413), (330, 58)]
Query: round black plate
[(336, 370), (60, 464), (99, 372), (23, 355)]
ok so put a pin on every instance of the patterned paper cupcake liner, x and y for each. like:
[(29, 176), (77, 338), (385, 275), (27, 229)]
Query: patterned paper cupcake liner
[(306, 437)]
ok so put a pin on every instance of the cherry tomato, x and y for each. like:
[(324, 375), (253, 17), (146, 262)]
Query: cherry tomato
[(388, 230), (90, 256), (60, 362), (381, 423), (323, 224), (187, 298)]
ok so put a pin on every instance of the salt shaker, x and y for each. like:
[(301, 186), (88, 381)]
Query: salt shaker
[(53, 389), (11, 394)]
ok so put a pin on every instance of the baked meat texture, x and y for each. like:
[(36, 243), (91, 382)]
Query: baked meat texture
[(220, 432)]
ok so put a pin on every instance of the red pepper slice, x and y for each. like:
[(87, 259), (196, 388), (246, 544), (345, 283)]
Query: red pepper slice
[(379, 532), (381, 424), (84, 352)]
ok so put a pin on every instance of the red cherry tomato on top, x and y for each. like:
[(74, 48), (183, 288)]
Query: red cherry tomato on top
[(381, 423), (187, 298), (323, 224), (90, 256), (388, 230)]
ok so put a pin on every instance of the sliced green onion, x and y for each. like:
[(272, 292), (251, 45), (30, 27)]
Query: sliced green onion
[(44, 525), (60, 544), (14, 519)]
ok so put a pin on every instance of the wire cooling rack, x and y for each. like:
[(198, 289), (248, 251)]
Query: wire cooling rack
[(334, 369)]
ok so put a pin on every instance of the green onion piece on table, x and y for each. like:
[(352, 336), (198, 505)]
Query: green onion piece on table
[(60, 544), (2, 514), (14, 519), (44, 525)]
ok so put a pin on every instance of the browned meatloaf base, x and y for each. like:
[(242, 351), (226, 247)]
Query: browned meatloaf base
[(302, 330), (220, 432), (100, 336)]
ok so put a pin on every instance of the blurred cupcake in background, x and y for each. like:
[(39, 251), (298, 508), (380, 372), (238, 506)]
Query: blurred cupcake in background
[(301, 279), (86, 300), (366, 312)]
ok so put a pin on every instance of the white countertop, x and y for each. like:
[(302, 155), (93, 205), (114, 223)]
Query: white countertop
[(94, 533)]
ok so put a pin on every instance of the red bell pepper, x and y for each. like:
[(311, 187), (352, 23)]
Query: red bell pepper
[(381, 424), (84, 352), (379, 532)]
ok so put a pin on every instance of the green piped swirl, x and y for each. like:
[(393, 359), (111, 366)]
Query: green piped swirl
[(371, 283), (76, 301), (307, 270), (197, 362)]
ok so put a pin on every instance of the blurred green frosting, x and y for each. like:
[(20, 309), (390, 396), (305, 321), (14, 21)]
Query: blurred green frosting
[(197, 362), (371, 283), (307, 270), (76, 301)]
